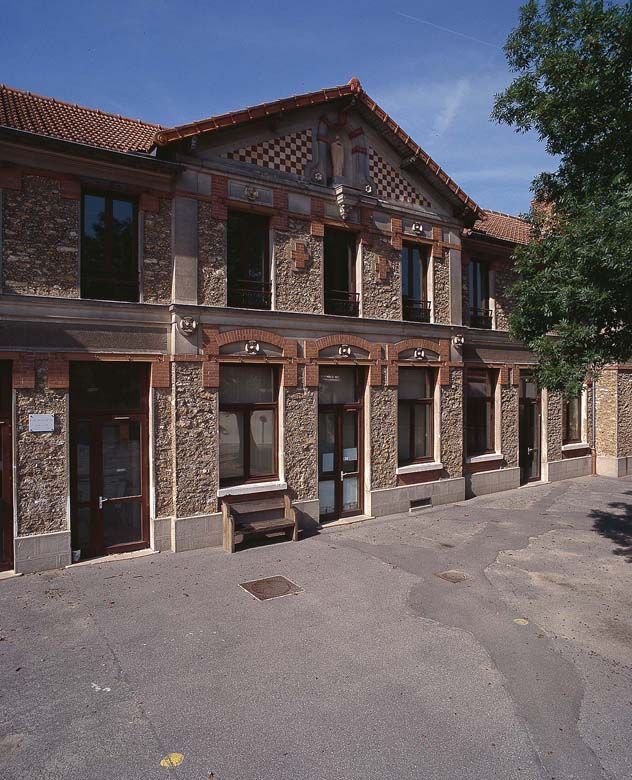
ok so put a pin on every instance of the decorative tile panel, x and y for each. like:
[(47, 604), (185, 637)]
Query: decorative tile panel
[(390, 184), (290, 153)]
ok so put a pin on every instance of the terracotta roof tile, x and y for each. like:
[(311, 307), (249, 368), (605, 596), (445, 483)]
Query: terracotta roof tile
[(46, 116), (506, 227)]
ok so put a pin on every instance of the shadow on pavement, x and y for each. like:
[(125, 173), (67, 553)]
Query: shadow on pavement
[(616, 525)]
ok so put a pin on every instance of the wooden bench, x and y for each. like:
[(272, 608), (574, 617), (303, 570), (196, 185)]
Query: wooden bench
[(244, 516)]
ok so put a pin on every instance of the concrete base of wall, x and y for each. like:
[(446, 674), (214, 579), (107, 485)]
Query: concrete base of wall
[(40, 552), (308, 514), (160, 534), (569, 468), (608, 466), (482, 483), (196, 532), (391, 501)]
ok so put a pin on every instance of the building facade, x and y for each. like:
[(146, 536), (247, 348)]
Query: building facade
[(293, 296)]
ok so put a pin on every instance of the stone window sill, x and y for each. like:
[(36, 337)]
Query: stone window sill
[(579, 445), (485, 458), (415, 467), (251, 487)]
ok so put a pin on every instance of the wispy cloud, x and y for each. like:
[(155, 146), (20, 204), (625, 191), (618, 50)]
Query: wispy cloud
[(449, 30), (453, 102)]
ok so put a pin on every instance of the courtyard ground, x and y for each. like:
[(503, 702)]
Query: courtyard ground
[(378, 668)]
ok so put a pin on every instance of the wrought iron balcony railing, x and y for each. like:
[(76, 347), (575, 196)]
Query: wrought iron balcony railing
[(481, 318), (416, 310), (342, 303), (245, 294)]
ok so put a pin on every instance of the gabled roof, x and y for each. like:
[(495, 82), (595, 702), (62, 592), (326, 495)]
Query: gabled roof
[(45, 116), (504, 227), (380, 120)]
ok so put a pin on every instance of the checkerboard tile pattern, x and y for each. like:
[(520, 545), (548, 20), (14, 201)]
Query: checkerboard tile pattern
[(290, 153), (390, 184)]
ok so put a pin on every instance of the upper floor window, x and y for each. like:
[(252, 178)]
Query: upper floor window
[(109, 247), (415, 303), (480, 390), (247, 423), (572, 420), (415, 442), (340, 273), (248, 259), (480, 313)]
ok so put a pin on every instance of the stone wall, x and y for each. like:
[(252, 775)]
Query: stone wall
[(509, 423), (606, 419), (300, 441), (624, 413), (553, 426), (40, 241), (298, 289), (195, 441), (504, 280), (41, 459), (383, 433), (211, 258), (157, 254), (381, 297), (441, 289), (452, 424), (163, 451)]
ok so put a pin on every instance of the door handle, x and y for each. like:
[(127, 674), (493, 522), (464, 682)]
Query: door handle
[(102, 501), (530, 450), (342, 475)]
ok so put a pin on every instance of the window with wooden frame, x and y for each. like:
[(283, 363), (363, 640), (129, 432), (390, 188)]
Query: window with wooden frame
[(248, 423), (415, 303), (248, 260), (415, 414), (480, 391), (109, 247), (339, 273), (478, 281), (572, 420)]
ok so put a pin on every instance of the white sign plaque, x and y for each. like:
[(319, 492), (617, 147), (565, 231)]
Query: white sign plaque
[(44, 423)]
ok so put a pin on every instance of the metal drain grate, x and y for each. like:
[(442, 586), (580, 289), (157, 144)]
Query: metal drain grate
[(271, 588)]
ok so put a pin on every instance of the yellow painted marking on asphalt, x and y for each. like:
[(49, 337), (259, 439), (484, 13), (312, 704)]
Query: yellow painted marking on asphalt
[(171, 760), (521, 622)]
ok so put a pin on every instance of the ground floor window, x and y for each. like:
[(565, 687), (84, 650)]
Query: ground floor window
[(572, 420), (415, 415), (480, 388), (247, 423)]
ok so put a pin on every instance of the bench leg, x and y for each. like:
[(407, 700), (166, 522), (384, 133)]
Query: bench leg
[(229, 533)]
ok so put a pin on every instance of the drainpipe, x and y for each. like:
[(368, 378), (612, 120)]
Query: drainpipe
[(594, 429)]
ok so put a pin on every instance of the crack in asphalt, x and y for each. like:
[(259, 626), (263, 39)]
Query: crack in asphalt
[(545, 688)]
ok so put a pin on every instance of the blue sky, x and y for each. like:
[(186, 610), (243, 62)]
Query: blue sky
[(172, 62)]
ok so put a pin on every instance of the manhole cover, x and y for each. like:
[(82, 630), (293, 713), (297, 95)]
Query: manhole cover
[(271, 588), (452, 575)]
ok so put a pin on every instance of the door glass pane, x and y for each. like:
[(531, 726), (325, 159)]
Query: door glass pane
[(534, 442), (529, 389), (349, 494), (337, 385), (83, 461), (121, 459), (231, 445), (81, 532), (121, 523), (326, 441), (262, 442), (350, 442), (113, 387), (327, 497), (422, 431)]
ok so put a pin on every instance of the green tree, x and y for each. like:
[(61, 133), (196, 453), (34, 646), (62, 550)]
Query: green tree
[(573, 60)]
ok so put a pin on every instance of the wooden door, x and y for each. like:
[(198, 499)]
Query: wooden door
[(6, 489), (530, 446)]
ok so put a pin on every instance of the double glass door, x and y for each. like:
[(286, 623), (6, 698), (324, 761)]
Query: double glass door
[(530, 430), (339, 489)]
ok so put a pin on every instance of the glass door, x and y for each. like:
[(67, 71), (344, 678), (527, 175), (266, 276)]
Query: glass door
[(530, 430), (339, 472), (6, 496)]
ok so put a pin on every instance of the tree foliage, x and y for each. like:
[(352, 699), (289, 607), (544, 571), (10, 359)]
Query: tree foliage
[(573, 60)]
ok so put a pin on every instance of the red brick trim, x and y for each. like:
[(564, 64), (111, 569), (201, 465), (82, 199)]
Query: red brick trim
[(58, 373), (313, 347), (440, 346), (210, 373), (23, 371), (10, 179), (280, 220), (149, 203), (397, 227), (317, 229), (515, 379), (161, 373), (219, 194), (300, 255), (70, 189)]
